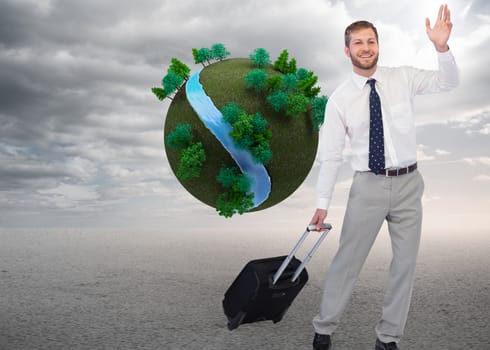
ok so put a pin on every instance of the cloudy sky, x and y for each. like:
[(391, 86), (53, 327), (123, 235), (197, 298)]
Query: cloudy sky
[(81, 135)]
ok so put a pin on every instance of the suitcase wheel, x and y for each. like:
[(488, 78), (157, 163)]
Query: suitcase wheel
[(236, 321), (280, 316), (277, 319)]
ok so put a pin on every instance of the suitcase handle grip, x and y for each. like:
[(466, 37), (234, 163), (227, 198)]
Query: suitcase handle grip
[(324, 226), (285, 263)]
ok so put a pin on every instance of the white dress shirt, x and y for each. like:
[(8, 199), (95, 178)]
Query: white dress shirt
[(347, 113)]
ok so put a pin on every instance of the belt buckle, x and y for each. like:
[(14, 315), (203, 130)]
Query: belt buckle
[(387, 172), (396, 172)]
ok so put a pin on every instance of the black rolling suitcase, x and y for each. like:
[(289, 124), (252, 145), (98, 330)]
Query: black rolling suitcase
[(265, 288)]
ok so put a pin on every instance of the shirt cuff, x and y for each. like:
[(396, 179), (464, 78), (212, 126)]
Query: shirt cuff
[(445, 56), (323, 203)]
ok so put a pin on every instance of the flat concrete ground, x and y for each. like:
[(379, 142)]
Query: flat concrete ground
[(77, 289)]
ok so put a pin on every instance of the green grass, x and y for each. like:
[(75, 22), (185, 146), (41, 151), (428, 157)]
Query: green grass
[(293, 142)]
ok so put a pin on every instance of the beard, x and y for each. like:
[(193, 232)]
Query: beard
[(364, 65)]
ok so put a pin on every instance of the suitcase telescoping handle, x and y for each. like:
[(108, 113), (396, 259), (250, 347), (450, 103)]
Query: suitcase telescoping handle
[(326, 228)]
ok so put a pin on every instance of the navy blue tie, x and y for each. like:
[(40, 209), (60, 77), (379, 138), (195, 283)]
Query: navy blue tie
[(376, 139)]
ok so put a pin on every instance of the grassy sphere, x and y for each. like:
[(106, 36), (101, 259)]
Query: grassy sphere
[(293, 143)]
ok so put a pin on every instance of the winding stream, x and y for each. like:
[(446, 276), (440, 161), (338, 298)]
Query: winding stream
[(213, 120)]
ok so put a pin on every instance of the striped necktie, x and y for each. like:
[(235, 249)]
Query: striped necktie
[(376, 139)]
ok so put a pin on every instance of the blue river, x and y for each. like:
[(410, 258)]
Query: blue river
[(213, 120)]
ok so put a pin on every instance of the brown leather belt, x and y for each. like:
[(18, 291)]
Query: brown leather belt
[(399, 171)]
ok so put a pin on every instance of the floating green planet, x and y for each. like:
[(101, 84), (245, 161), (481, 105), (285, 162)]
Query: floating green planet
[(277, 123)]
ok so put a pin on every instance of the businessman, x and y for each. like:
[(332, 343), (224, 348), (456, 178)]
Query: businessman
[(374, 109)]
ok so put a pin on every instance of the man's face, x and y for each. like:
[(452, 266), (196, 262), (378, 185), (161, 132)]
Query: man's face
[(363, 50)]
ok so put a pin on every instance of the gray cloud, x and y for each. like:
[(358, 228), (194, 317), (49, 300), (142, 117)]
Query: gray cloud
[(80, 131), (462, 138)]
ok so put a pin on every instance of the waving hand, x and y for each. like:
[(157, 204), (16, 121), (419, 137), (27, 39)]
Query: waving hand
[(439, 34)]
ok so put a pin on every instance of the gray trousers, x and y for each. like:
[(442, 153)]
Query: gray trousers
[(372, 199)]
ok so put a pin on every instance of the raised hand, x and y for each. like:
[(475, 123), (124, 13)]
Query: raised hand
[(439, 34)]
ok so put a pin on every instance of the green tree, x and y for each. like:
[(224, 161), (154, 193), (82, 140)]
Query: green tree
[(296, 104), (243, 183), (262, 153), (289, 82), (278, 100), (260, 58), (171, 82), (318, 105), (273, 82), (231, 112), (261, 148), (230, 203), (181, 137), (259, 124), (302, 74), (281, 64), (292, 66), (256, 79), (191, 160), (179, 68), (225, 206), (242, 131), (177, 73), (159, 93), (227, 176), (307, 85), (195, 54), (249, 132), (219, 51), (235, 199), (204, 54)]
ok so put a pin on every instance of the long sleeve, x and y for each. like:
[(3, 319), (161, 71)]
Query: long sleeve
[(332, 141), (444, 79)]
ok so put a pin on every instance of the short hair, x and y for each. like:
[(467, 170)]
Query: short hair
[(354, 27)]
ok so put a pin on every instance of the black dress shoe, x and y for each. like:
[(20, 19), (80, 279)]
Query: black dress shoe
[(386, 346), (322, 342)]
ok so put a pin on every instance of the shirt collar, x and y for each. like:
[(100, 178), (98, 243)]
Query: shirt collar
[(360, 81)]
